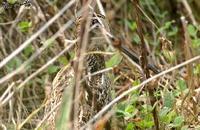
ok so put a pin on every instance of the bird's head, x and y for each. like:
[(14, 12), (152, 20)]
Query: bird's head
[(98, 23), (97, 27)]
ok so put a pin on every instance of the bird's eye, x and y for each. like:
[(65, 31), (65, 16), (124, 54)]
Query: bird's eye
[(94, 21)]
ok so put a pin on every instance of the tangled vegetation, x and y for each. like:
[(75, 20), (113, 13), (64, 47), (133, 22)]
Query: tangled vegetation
[(37, 40)]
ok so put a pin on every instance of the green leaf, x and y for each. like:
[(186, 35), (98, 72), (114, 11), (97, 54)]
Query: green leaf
[(63, 60), (66, 107), (171, 115), (130, 126), (167, 27), (145, 124), (182, 85), (12, 1), (28, 50), (132, 25), (196, 43), (164, 112), (168, 24), (124, 114), (114, 60), (13, 64), (130, 108), (165, 115), (197, 69), (136, 39), (169, 99), (178, 121), (169, 55), (52, 69), (136, 82), (173, 32), (147, 108), (24, 26), (192, 30), (48, 42)]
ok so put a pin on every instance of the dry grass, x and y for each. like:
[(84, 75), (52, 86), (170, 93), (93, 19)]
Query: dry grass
[(37, 50)]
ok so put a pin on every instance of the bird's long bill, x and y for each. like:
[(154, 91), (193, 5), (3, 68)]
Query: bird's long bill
[(133, 56)]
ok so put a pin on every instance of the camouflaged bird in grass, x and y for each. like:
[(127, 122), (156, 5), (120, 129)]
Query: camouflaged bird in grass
[(98, 84)]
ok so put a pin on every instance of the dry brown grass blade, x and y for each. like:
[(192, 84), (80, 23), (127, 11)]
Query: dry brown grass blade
[(190, 77), (31, 115)]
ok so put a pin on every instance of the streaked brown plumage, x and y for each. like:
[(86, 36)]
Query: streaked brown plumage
[(98, 84)]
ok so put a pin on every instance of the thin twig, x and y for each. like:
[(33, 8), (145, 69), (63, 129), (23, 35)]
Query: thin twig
[(189, 11), (46, 65), (47, 115), (37, 72), (144, 60), (30, 116), (6, 92), (36, 54), (188, 55), (97, 72), (102, 11), (78, 69), (34, 36)]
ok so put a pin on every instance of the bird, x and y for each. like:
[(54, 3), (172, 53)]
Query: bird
[(96, 90), (99, 84)]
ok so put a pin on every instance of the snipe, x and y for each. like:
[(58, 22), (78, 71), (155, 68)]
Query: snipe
[(98, 84)]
